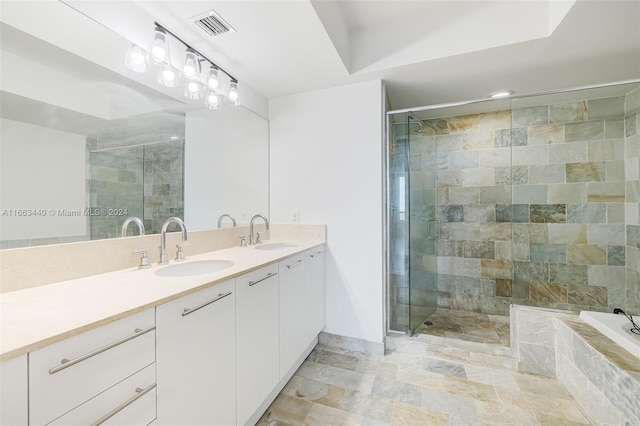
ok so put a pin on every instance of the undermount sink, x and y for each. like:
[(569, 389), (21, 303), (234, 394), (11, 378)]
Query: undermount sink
[(194, 268), (273, 246)]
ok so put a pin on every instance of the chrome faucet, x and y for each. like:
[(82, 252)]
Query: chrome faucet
[(164, 259), (135, 220), (223, 216), (266, 224)]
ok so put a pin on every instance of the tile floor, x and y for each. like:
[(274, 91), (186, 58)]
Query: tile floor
[(429, 379)]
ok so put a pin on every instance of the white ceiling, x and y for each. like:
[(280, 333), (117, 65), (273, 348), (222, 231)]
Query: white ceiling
[(426, 51)]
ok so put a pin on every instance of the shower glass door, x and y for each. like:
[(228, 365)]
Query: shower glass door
[(411, 224), (424, 228)]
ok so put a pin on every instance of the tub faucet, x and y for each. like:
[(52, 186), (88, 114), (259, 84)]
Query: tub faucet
[(164, 259), (135, 220), (266, 224), (223, 216)]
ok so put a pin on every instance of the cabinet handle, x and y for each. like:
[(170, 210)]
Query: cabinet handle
[(188, 311), (269, 275), (293, 265), (140, 393), (66, 363)]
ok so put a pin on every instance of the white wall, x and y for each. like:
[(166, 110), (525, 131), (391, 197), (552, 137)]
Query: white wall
[(326, 163), (226, 166), (41, 168)]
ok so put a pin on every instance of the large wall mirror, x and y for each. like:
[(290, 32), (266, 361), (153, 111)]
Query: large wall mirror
[(84, 146)]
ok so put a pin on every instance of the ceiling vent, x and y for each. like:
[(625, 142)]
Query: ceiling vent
[(212, 23)]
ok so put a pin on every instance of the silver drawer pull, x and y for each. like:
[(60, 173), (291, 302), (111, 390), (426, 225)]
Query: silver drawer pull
[(66, 363), (140, 393), (293, 265), (269, 275), (188, 311), (315, 254)]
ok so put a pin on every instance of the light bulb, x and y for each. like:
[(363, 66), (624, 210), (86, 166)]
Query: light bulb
[(191, 68), (213, 81), (233, 92), (192, 90), (168, 76), (213, 100), (136, 59), (159, 48)]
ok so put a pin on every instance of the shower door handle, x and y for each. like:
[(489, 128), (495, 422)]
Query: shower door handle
[(438, 229)]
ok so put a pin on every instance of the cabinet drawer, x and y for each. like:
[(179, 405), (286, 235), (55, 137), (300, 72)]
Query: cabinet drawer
[(99, 359), (130, 402)]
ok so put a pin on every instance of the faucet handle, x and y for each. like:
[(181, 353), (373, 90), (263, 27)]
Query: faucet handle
[(243, 240), (144, 260), (180, 253), (258, 238)]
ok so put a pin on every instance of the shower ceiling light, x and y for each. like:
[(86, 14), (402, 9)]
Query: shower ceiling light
[(169, 76), (502, 94)]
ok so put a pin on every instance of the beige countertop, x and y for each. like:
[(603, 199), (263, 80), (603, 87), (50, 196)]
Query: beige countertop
[(39, 316)]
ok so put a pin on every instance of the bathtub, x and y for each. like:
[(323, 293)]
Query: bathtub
[(616, 327)]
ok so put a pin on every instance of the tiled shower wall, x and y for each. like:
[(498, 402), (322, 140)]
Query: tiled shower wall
[(145, 181), (632, 173), (534, 202)]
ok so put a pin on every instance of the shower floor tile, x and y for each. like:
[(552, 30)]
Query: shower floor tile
[(470, 326), (426, 380)]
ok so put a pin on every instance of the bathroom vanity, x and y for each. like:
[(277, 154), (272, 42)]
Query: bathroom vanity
[(164, 346)]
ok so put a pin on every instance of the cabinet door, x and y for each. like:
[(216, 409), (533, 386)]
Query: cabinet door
[(257, 339), (315, 292), (66, 374), (13, 392), (196, 358), (131, 402), (293, 329)]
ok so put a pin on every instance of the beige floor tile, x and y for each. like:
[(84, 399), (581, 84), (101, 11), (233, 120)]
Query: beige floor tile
[(408, 415), (288, 410), (377, 368), (320, 415), (570, 411)]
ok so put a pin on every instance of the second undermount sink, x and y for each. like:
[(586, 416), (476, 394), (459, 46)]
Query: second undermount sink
[(194, 268), (273, 246)]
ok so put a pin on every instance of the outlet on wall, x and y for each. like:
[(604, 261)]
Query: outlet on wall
[(296, 216)]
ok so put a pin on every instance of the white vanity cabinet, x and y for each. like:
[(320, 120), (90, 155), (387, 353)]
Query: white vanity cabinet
[(65, 375), (293, 312), (196, 358), (13, 392), (257, 340), (315, 261)]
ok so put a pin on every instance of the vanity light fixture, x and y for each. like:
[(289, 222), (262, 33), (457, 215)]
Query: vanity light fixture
[(136, 59), (193, 89), (168, 76), (213, 81), (213, 100), (191, 68), (212, 86), (233, 91), (159, 47)]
